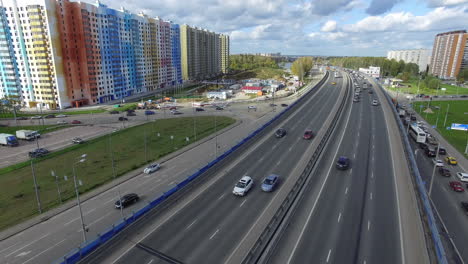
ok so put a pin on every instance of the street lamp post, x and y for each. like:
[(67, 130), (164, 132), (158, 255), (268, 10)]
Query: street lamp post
[(433, 170), (83, 226), (36, 189), (57, 185), (446, 114)]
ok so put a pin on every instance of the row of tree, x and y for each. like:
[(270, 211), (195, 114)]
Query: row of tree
[(302, 66), (248, 62), (387, 67)]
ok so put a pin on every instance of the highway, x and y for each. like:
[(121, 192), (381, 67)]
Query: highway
[(354, 219), (210, 226)]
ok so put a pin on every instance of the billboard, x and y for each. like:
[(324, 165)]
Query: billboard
[(456, 126)]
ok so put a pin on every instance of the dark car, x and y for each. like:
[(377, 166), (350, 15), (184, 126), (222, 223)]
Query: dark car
[(50, 116), (423, 146), (40, 152), (308, 134), (281, 132), (444, 172), (442, 151), (284, 105), (272, 105), (76, 122), (371, 92), (127, 200), (342, 163), (413, 118), (219, 108), (121, 118), (113, 112), (131, 114), (149, 112), (464, 206), (21, 118), (430, 152), (199, 109)]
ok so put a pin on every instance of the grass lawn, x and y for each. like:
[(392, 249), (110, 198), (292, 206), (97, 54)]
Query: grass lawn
[(42, 129), (261, 73), (17, 196), (456, 114), (451, 89), (77, 112)]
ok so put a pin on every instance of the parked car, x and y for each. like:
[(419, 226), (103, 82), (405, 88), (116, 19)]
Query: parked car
[(269, 183), (281, 132), (152, 168), (113, 112), (127, 200), (61, 115), (444, 172), (50, 116), (243, 186), (308, 134), (77, 140), (121, 118), (464, 206), (62, 122), (76, 122), (451, 161), (149, 112), (199, 109), (456, 186), (342, 163), (438, 162)]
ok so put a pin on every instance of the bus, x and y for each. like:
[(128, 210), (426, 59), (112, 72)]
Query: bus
[(417, 133)]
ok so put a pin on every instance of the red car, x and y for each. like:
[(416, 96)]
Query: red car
[(456, 186), (172, 108), (76, 122), (308, 134)]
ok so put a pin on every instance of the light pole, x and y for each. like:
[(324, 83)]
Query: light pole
[(437, 119), (36, 189), (433, 170), (83, 226), (446, 114), (57, 184), (216, 139), (466, 148)]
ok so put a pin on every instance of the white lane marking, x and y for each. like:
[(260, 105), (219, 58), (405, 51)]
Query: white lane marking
[(30, 243), (368, 225), (24, 253), (261, 159), (339, 217), (221, 197), (328, 257), (321, 190), (364, 262), (273, 147), (151, 261), (111, 200), (214, 234), (243, 203), (278, 163), (354, 156), (75, 219), (194, 221), (42, 252), (346, 191), (99, 219), (5, 249), (371, 195), (290, 148), (372, 175)]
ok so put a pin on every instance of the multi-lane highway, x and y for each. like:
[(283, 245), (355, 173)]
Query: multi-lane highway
[(209, 227)]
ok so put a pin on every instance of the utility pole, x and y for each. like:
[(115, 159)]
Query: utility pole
[(446, 114), (36, 189)]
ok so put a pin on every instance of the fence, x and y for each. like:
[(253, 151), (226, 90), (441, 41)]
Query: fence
[(79, 253)]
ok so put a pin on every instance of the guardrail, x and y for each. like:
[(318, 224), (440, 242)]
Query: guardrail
[(439, 248), (85, 249), (256, 254)]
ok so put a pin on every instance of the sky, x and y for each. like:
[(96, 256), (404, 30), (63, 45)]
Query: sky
[(317, 27)]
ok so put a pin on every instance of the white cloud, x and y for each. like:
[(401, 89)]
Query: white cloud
[(438, 3), (329, 26)]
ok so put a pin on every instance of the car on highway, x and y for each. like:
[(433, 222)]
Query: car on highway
[(442, 151), (252, 107), (61, 116), (333, 83), (40, 152), (219, 108), (456, 186), (375, 102), (464, 206), (199, 109), (49, 116), (127, 200), (462, 176), (356, 100), (113, 112), (131, 114), (371, 92), (149, 112), (21, 118), (36, 117), (284, 105), (431, 140), (273, 105), (342, 163), (281, 132), (243, 186), (77, 140), (152, 168), (270, 182), (308, 134), (173, 108), (444, 172), (62, 122), (438, 162), (175, 112), (430, 152), (76, 122), (121, 118), (451, 161)]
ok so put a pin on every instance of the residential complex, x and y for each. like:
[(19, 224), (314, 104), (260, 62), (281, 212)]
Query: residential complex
[(417, 56), (449, 54), (58, 53)]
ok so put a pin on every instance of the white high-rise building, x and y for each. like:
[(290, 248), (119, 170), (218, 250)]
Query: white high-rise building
[(417, 56)]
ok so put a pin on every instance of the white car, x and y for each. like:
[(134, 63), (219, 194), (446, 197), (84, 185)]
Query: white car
[(374, 102), (462, 176), (36, 117), (62, 122), (251, 107), (437, 163), (243, 186), (152, 168), (61, 115)]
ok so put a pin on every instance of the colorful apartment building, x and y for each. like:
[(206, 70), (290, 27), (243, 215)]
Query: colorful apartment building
[(224, 53), (59, 53)]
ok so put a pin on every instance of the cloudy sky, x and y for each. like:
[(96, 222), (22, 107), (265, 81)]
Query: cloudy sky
[(314, 27)]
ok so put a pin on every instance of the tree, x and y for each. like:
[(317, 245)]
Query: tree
[(302, 66), (462, 76), (434, 83)]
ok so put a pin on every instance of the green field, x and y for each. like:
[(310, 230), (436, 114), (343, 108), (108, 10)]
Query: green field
[(17, 196), (456, 114), (42, 129), (77, 112), (412, 88), (261, 73)]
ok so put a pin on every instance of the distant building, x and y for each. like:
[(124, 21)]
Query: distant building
[(252, 89), (372, 71), (224, 40), (449, 54), (217, 95), (417, 56)]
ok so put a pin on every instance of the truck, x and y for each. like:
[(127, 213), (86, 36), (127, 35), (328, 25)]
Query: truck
[(27, 134), (8, 140)]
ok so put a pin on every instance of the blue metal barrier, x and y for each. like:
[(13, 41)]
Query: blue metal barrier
[(77, 254)]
